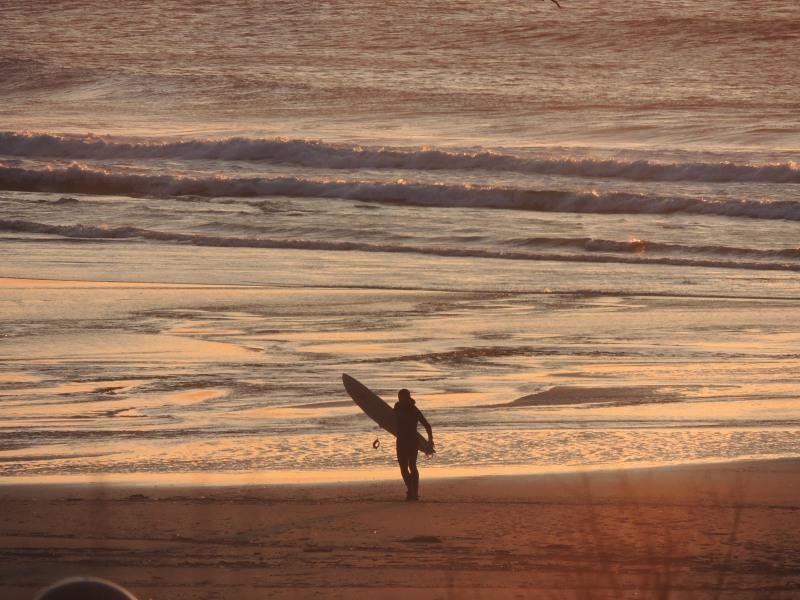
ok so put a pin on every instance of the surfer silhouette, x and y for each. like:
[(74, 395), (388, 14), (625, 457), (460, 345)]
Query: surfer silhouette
[(408, 415)]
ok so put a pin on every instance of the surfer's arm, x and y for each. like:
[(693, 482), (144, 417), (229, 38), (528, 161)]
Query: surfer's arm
[(427, 426)]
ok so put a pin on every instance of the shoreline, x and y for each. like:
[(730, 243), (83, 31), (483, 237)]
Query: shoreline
[(720, 530), (354, 477)]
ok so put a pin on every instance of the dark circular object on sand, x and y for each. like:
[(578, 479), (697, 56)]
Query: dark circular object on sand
[(84, 588)]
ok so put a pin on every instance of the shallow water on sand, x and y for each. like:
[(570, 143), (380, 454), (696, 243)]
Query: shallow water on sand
[(105, 378)]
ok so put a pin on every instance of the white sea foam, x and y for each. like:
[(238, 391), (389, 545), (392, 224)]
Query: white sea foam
[(311, 153), (78, 179)]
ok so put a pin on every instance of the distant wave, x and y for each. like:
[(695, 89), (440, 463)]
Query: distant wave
[(638, 246), (549, 243), (91, 232), (77, 179), (311, 153)]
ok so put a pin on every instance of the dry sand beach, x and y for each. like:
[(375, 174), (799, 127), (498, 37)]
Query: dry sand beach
[(705, 531)]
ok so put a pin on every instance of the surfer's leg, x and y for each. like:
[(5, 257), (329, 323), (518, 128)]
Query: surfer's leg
[(402, 460), (413, 474)]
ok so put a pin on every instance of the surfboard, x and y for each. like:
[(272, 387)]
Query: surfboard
[(377, 409)]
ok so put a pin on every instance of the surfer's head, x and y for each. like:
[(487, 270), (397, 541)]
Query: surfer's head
[(404, 395)]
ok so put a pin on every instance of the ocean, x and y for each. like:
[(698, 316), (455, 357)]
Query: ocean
[(573, 234)]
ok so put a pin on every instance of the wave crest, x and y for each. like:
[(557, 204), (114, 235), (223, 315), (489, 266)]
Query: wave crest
[(77, 179), (310, 153)]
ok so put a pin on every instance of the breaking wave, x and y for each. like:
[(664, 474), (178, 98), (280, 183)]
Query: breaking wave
[(310, 153), (77, 179), (91, 232)]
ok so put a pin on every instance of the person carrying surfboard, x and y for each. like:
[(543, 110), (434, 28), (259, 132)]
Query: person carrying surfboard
[(408, 415)]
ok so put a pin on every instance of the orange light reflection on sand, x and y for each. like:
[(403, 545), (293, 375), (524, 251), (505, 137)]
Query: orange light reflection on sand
[(25, 410), (127, 347), (23, 283), (75, 387), (19, 377)]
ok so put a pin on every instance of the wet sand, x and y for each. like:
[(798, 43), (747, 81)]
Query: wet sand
[(152, 379), (704, 531)]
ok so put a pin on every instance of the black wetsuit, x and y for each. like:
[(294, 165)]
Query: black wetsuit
[(408, 415)]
